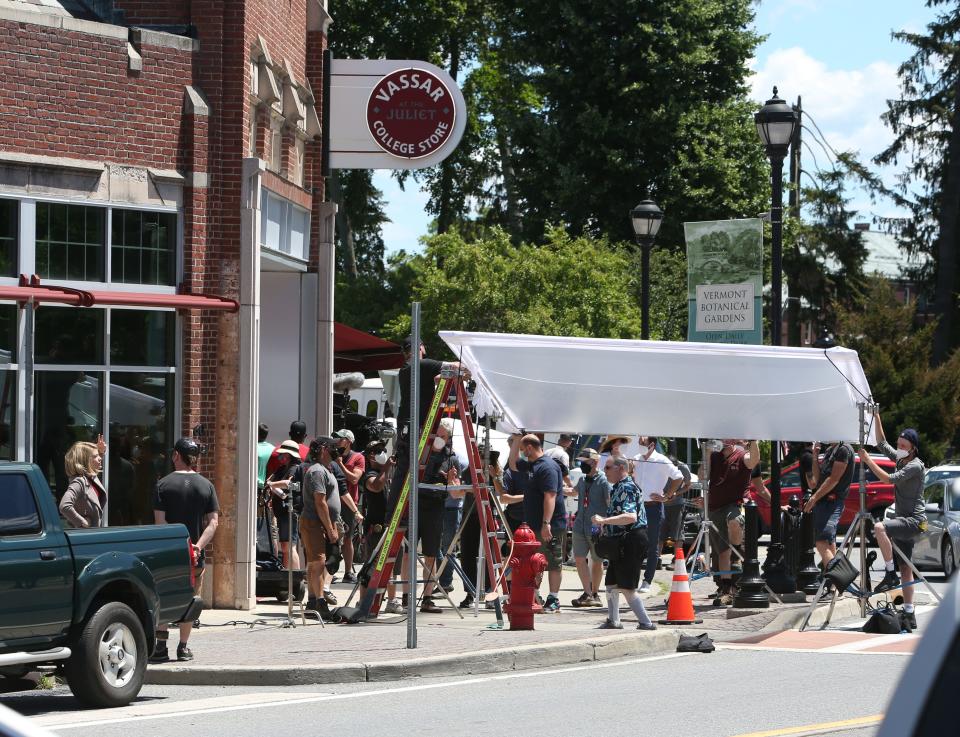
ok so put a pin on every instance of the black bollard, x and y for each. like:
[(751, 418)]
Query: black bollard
[(791, 536), (808, 577), (751, 594)]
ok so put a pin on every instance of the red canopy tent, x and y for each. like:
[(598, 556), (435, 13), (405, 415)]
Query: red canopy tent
[(355, 350)]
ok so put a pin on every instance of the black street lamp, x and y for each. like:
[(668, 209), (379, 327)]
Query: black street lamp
[(646, 219), (775, 123)]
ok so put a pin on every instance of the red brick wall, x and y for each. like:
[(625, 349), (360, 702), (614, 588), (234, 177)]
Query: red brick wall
[(70, 94), (283, 24), (154, 12)]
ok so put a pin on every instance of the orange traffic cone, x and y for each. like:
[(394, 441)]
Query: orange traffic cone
[(680, 603)]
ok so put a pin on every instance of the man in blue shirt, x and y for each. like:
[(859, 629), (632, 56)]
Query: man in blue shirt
[(542, 507)]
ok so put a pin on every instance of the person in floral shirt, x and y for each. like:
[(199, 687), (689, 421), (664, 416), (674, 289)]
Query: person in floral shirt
[(626, 517)]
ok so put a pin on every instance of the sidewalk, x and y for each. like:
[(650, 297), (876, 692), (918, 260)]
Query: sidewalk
[(251, 648)]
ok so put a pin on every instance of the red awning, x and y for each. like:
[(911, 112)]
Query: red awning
[(355, 350), (40, 293)]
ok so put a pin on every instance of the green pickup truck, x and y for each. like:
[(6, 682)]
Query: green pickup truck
[(87, 601)]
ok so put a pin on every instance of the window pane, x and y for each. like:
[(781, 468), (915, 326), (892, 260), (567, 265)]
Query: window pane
[(8, 334), (70, 241), (299, 220), (67, 405), (69, 335), (18, 508), (8, 237), (141, 434), (8, 415), (141, 338), (143, 247)]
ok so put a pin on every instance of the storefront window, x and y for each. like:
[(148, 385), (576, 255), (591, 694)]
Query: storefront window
[(144, 247), (141, 338), (8, 415), (141, 429), (8, 237), (68, 335), (8, 334), (70, 241), (68, 408)]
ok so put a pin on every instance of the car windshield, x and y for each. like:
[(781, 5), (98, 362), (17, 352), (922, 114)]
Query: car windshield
[(942, 474), (955, 496)]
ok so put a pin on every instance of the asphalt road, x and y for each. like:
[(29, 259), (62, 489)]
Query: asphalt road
[(722, 694)]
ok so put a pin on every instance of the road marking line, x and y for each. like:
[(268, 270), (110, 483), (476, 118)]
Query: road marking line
[(148, 709), (868, 642), (296, 699), (821, 728)]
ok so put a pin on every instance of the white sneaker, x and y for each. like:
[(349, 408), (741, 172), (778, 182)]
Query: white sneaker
[(394, 607), (644, 587)]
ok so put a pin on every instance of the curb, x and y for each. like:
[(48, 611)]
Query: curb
[(845, 608), (521, 657)]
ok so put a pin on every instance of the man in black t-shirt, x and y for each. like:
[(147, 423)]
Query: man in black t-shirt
[(831, 481), (186, 497), (430, 370), (543, 507)]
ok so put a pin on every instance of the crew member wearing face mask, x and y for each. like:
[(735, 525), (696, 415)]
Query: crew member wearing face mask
[(729, 480), (374, 485), (593, 497), (831, 481), (910, 519), (443, 469)]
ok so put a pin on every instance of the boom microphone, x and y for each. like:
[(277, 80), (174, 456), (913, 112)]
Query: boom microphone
[(342, 383)]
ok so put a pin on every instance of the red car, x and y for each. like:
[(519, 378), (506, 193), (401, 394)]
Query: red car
[(879, 495)]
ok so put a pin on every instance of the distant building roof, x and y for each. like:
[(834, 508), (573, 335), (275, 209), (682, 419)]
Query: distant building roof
[(884, 256)]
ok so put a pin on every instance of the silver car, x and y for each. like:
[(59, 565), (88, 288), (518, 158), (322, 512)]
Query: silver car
[(939, 546)]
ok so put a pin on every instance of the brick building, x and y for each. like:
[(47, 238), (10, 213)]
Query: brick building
[(160, 175)]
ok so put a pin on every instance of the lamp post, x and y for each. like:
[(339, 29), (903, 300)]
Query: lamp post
[(646, 219), (776, 122)]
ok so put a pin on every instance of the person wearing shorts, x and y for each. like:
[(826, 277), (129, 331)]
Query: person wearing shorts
[(317, 524), (910, 518), (730, 470), (831, 481), (593, 497), (624, 516)]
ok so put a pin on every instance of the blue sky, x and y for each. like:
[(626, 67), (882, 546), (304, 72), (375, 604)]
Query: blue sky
[(836, 54)]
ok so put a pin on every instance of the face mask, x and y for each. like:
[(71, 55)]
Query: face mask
[(439, 443), (523, 456), (901, 454), (586, 467), (380, 458), (740, 448)]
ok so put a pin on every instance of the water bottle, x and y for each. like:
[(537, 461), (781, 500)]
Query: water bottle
[(595, 530)]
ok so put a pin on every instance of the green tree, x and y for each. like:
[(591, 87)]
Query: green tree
[(896, 359), (926, 127), (566, 286)]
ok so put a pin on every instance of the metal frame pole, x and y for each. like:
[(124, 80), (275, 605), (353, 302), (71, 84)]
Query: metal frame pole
[(864, 573), (414, 476)]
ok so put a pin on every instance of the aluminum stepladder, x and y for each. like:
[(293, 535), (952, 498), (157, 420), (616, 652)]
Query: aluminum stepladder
[(394, 535)]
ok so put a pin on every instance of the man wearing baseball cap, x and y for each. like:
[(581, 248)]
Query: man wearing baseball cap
[(910, 519), (186, 497), (353, 465)]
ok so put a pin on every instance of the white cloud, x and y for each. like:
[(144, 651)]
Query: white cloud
[(846, 103)]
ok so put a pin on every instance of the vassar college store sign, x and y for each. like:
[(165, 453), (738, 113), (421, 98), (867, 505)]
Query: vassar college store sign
[(392, 114)]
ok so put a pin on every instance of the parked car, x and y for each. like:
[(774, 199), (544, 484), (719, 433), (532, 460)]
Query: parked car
[(939, 547), (879, 495), (87, 601), (946, 470)]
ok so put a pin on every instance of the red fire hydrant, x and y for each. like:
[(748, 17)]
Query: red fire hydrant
[(527, 566)]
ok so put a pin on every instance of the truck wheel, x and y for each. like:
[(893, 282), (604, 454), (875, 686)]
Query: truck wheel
[(949, 565), (109, 659)]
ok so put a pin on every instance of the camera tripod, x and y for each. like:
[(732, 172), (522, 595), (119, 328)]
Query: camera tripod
[(859, 527)]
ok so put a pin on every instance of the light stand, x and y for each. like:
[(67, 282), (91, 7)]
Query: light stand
[(646, 219)]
